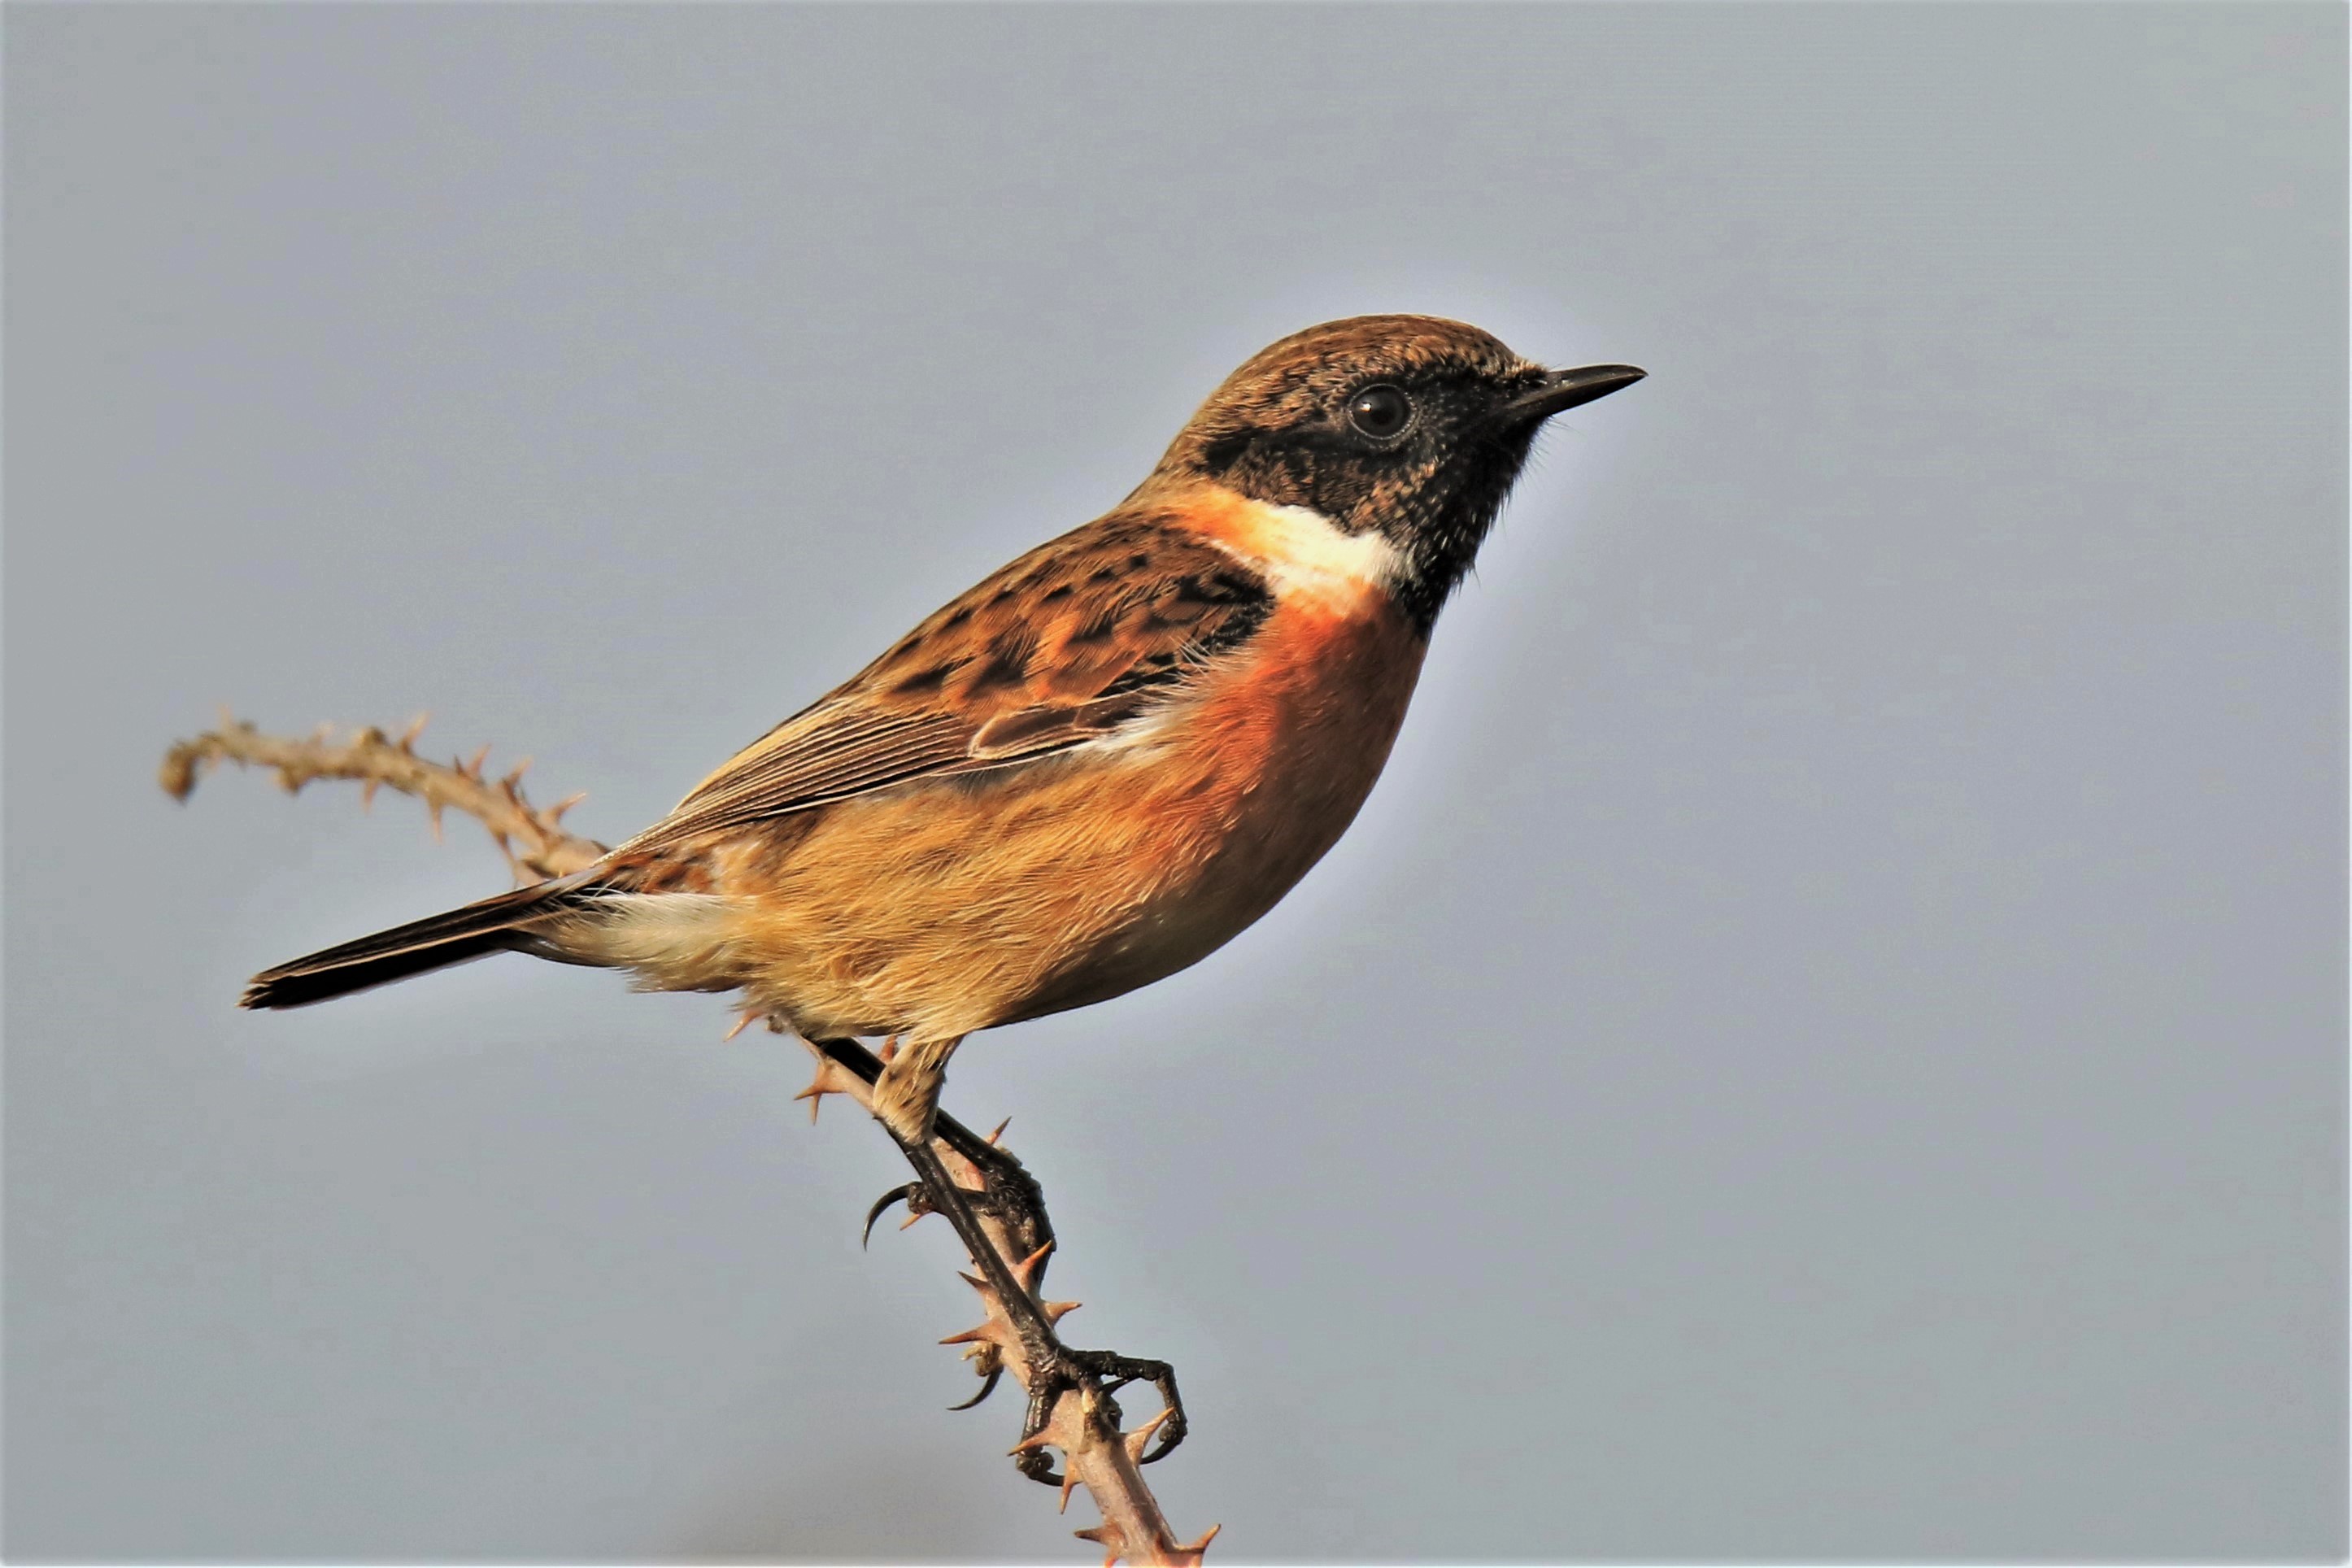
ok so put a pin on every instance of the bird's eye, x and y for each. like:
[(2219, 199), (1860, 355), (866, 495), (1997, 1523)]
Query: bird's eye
[(1379, 412)]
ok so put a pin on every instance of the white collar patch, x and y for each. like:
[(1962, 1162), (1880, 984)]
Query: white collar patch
[(1300, 552)]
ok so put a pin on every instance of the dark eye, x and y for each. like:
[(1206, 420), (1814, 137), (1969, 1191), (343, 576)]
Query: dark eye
[(1379, 412)]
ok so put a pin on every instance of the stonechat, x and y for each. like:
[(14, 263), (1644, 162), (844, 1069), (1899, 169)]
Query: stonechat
[(1093, 768), (1089, 770)]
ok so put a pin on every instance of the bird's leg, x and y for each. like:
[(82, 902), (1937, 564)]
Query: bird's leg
[(906, 1101), (907, 1095), (1011, 1195), (1053, 1367)]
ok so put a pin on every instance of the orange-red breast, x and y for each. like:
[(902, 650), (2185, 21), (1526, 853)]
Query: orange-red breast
[(1096, 766)]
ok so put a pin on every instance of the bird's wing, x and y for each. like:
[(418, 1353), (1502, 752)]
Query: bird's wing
[(1062, 647)]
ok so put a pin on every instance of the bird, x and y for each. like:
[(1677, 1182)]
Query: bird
[(1096, 766)]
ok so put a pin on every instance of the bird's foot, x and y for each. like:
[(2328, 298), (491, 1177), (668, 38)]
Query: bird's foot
[(1008, 1194), (1057, 1369)]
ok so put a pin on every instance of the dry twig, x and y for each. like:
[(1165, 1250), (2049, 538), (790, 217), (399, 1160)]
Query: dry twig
[(531, 837), (1098, 1455)]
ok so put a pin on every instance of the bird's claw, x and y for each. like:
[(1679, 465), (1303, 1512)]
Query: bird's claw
[(1038, 1466), (1108, 1371), (987, 1387), (1117, 1372), (911, 1195)]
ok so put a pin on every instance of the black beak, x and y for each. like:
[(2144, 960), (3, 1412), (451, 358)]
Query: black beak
[(1566, 389)]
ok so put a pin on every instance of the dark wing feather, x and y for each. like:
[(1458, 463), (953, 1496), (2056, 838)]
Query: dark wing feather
[(1060, 648)]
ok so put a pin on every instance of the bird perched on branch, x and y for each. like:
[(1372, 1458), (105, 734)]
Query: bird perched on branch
[(1094, 767)]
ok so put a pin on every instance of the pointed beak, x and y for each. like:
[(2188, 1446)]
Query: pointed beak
[(1566, 389)]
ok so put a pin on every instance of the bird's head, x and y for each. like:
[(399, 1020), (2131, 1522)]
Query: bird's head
[(1412, 425)]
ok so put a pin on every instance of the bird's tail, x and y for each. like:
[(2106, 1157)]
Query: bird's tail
[(501, 924)]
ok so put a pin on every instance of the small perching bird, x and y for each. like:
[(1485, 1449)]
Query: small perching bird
[(1090, 770)]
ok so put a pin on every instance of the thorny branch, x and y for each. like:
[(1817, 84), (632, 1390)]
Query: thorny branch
[(531, 837), (1097, 1455)]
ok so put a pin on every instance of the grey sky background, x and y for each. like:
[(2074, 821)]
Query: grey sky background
[(1827, 1042)]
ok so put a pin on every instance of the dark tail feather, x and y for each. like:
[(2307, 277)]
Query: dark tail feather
[(500, 924)]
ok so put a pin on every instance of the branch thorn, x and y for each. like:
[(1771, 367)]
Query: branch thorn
[(1107, 1536), (1021, 1270), (1136, 1439)]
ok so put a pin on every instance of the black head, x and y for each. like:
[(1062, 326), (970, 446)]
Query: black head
[(1413, 425)]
